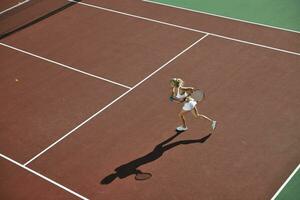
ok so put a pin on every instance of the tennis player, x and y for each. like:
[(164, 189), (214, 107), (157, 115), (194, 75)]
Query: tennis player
[(181, 94)]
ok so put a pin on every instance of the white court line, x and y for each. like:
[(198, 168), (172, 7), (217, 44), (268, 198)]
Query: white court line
[(15, 6), (44, 177), (221, 16), (255, 44), (91, 117), (65, 66), (138, 17), (185, 28), (286, 182)]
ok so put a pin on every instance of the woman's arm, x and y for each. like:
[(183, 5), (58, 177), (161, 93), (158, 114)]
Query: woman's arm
[(189, 90), (173, 96), (173, 92)]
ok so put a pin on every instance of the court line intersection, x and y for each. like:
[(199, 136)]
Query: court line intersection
[(115, 100), (24, 166), (128, 87), (63, 65)]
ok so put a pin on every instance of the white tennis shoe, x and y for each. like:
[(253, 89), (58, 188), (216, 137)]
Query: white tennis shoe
[(181, 128), (214, 125)]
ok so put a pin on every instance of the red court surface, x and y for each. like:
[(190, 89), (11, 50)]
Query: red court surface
[(216, 25), (107, 48), (27, 12), (244, 148), (44, 103), (252, 91), (17, 183), (6, 4)]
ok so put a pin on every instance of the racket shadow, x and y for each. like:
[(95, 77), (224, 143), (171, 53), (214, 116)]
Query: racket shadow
[(131, 168)]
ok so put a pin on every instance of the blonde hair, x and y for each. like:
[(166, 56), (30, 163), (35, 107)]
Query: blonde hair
[(177, 82)]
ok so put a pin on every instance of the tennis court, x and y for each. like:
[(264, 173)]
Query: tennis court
[(84, 95)]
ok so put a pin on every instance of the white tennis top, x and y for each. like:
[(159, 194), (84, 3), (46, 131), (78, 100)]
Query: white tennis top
[(181, 96)]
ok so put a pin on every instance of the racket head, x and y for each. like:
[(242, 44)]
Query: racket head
[(198, 95), (142, 176)]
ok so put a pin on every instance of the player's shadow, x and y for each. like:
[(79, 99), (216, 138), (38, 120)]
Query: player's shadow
[(131, 168)]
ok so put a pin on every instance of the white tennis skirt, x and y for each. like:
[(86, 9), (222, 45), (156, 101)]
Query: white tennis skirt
[(188, 106)]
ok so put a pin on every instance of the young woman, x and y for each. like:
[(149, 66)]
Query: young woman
[(182, 94)]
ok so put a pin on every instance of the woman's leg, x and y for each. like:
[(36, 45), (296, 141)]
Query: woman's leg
[(182, 117), (196, 114)]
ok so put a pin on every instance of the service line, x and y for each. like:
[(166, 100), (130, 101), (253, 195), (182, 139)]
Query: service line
[(63, 65)]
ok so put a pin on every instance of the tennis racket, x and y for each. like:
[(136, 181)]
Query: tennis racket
[(198, 95)]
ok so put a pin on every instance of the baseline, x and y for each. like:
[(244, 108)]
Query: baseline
[(183, 27)]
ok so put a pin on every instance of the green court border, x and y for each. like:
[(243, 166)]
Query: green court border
[(288, 188), (221, 16)]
